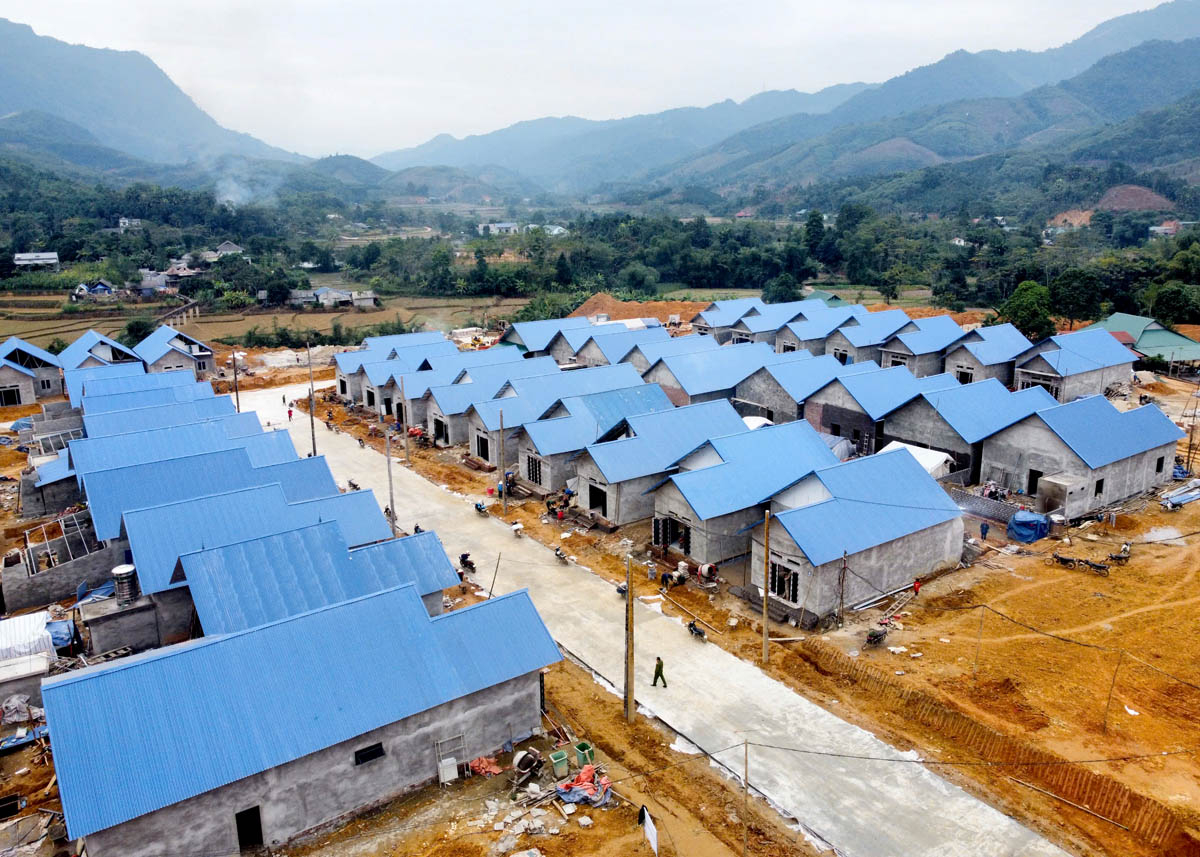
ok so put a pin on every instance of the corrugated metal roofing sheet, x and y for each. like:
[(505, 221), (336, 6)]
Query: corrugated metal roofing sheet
[(932, 335), (111, 492), (662, 438), (14, 343), (160, 416), (216, 710), (875, 328), (876, 499), (410, 356), (1001, 343), (80, 350), (726, 313), (773, 317), (710, 371), (484, 382), (535, 395), (880, 393), (145, 398), (1085, 351), (755, 465), (260, 580), (979, 410), (403, 340), (801, 378), (655, 351), (592, 416), (109, 386), (444, 369), (76, 378), (818, 325), (163, 340), (1100, 434), (536, 335), (54, 470), (616, 346)]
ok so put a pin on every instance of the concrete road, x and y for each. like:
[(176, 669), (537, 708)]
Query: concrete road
[(862, 808)]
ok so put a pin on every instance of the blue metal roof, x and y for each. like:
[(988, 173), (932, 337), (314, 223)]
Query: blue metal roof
[(76, 378), (818, 325), (212, 711), (979, 410), (536, 335), (164, 339), (54, 470), (875, 500), (998, 343), (145, 398), (801, 378), (409, 356), (661, 439), (443, 369), (1085, 351), (484, 382), (726, 313), (110, 386), (880, 393), (77, 353), (655, 351), (754, 466), (534, 396), (249, 583), (159, 535), (14, 343), (933, 334), (1100, 434), (876, 328), (139, 486), (403, 340), (615, 346), (159, 416), (772, 317), (481, 357), (593, 415), (710, 371)]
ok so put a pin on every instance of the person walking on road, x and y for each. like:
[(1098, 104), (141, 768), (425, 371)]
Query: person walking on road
[(658, 673), (983, 530), (289, 415), (284, 397)]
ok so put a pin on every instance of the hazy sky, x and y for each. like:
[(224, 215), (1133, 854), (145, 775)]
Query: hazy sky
[(367, 76)]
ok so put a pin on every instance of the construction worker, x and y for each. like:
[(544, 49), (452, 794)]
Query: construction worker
[(916, 586), (983, 530), (658, 673), (289, 415)]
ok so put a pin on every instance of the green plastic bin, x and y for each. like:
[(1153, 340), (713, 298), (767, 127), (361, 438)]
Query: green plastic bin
[(561, 763), (584, 753)]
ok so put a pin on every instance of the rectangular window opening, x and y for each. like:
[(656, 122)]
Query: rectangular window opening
[(1099, 487), (368, 754)]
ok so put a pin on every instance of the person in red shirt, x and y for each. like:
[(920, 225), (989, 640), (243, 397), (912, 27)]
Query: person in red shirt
[(916, 586)]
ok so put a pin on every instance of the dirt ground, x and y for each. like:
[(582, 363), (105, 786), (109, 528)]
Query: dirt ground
[(619, 310), (697, 810)]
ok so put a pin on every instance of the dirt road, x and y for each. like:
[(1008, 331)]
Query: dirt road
[(855, 793)]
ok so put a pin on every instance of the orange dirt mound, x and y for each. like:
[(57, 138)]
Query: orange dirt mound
[(970, 317), (618, 310)]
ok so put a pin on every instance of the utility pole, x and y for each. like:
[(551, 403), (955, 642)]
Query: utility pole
[(237, 399), (629, 706), (1112, 687), (766, 581), (503, 477), (745, 796), (495, 574), (312, 399), (841, 613), (404, 423), (387, 434)]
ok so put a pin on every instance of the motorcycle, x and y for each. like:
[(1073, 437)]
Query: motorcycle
[(482, 509), (518, 529), (1123, 557), (561, 555), (352, 485), (466, 563), (1098, 567), (696, 631), (1065, 561), (417, 529), (876, 636), (362, 444)]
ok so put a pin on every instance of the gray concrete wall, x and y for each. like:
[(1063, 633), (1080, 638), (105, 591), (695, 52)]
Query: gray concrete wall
[(22, 589), (353, 384), (476, 429), (637, 361), (627, 501), (556, 469), (960, 359), (326, 787), (591, 355), (837, 342), (70, 421), (173, 609), (761, 395), (919, 424), (10, 377), (661, 375), (886, 567), (51, 374), (833, 407), (1073, 387), (786, 341), (173, 360), (456, 424), (49, 499), (714, 540), (30, 685), (561, 351), (111, 626), (1010, 455)]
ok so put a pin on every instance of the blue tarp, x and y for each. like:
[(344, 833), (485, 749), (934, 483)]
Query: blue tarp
[(1028, 527), (61, 632), (21, 424)]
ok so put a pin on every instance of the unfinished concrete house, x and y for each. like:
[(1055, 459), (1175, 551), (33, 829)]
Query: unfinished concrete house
[(27, 373), (923, 350), (778, 392), (1071, 365), (718, 320), (93, 349), (611, 348), (958, 420), (1084, 455), (617, 474), (810, 335), (393, 379), (549, 447), (763, 325), (705, 376), (644, 355), (376, 349), (362, 383), (854, 343), (167, 350), (882, 515), (423, 690), (533, 337), (704, 511), (986, 352), (446, 407), (525, 400), (855, 406), (565, 345)]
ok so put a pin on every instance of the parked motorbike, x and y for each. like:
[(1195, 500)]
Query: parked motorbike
[(1065, 561), (696, 631), (1123, 557), (876, 636), (1098, 567), (362, 444), (352, 485)]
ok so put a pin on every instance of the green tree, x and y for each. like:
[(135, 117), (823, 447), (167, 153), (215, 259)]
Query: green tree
[(814, 231), (57, 345), (1028, 310), (1075, 294), (279, 292), (781, 289), (563, 275), (638, 278), (136, 329), (1175, 303)]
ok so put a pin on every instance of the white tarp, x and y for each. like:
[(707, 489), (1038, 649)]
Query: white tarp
[(936, 464), (25, 635)]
